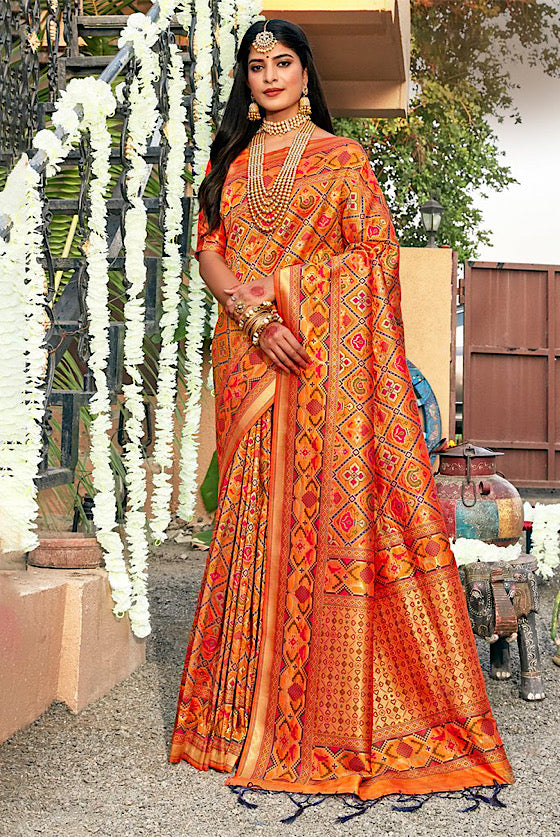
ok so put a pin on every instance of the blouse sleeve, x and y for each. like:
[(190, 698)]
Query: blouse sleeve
[(215, 240)]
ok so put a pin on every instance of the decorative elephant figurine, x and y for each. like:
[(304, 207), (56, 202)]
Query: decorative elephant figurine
[(502, 601)]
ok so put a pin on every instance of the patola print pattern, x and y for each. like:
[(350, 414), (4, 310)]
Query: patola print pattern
[(331, 650)]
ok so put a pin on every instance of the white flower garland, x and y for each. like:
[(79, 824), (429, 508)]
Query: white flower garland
[(202, 50), (545, 539), (225, 40), (23, 361), (142, 34), (544, 536), (171, 283)]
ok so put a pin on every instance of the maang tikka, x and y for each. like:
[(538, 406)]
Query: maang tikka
[(265, 40)]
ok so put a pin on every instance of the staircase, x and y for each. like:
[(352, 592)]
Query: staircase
[(52, 43)]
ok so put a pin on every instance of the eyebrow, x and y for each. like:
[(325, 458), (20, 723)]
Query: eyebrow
[(274, 57)]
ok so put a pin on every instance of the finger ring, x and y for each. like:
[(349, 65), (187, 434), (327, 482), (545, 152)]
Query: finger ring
[(239, 307)]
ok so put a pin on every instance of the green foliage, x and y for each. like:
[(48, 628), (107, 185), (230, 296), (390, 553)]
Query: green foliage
[(446, 147), (209, 487)]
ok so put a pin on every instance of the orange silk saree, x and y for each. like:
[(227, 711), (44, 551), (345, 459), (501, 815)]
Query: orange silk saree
[(331, 649)]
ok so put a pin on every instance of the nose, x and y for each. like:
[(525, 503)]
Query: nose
[(269, 72)]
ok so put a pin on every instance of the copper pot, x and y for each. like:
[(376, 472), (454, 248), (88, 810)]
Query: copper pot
[(476, 500)]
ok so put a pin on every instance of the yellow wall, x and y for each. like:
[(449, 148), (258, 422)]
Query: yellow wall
[(427, 296)]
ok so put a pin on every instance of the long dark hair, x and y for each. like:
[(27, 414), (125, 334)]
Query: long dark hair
[(235, 131)]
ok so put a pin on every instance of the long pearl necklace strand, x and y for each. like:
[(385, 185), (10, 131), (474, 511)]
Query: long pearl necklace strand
[(268, 206)]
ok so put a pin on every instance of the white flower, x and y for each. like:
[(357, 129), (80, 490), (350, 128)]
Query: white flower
[(528, 512), (202, 49), (467, 550), (119, 92), (48, 142), (545, 539), (141, 32), (225, 40)]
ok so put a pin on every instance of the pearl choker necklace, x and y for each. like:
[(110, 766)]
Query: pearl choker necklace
[(285, 125)]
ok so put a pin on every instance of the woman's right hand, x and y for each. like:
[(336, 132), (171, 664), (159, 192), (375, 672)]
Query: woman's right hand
[(284, 350)]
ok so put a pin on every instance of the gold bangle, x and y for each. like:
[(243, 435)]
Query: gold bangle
[(250, 322), (273, 317), (251, 311), (256, 322)]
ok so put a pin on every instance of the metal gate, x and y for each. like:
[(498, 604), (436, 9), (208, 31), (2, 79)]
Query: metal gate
[(512, 367)]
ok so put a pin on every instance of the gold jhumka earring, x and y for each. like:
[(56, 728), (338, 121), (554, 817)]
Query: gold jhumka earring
[(253, 114), (304, 103)]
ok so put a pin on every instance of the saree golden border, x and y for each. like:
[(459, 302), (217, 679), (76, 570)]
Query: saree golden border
[(366, 678)]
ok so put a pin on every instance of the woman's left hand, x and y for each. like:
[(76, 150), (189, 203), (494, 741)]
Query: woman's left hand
[(246, 295)]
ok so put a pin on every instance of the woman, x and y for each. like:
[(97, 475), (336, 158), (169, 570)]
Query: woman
[(331, 649)]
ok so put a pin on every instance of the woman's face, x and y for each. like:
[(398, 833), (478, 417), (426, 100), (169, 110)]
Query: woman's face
[(276, 79)]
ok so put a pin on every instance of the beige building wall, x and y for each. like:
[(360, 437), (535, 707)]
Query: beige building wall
[(428, 305)]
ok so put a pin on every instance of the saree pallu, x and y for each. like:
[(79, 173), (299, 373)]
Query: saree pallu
[(331, 650)]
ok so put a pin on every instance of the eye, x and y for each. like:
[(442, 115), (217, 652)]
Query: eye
[(284, 63), (256, 67)]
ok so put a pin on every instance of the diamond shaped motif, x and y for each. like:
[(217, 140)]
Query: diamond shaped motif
[(309, 499), (295, 691), (366, 575)]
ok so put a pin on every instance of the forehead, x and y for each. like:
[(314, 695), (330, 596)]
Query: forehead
[(279, 49)]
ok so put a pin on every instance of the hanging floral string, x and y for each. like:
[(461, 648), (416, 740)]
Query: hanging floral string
[(202, 51), (247, 13), (99, 105), (171, 283), (143, 115), (225, 41), (23, 322)]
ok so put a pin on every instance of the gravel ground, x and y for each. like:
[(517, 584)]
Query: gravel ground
[(105, 771)]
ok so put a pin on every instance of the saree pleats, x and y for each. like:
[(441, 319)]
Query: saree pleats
[(220, 665), (332, 650)]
